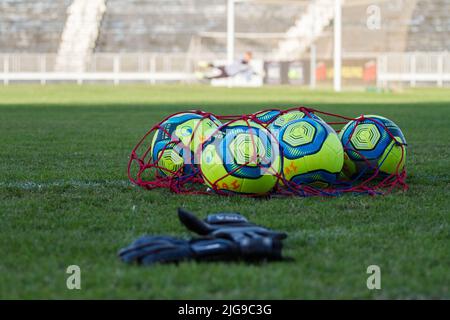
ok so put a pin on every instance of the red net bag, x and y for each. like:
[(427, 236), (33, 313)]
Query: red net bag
[(295, 152)]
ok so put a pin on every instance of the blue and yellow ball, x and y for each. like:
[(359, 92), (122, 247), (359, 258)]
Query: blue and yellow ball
[(177, 139), (311, 151), (368, 146), (242, 158)]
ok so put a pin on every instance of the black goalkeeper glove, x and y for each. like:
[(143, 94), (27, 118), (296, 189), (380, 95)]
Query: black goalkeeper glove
[(148, 250), (253, 241), (226, 236)]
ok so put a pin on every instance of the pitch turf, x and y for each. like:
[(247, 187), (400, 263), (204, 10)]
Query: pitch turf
[(65, 199)]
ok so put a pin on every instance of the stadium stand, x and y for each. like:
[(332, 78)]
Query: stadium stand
[(79, 35), (357, 37), (169, 26), (31, 26), (306, 29), (430, 26), (163, 40), (413, 25)]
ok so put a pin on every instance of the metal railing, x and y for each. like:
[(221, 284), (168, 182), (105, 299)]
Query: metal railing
[(410, 68), (151, 67), (413, 68)]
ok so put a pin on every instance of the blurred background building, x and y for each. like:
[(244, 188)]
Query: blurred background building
[(379, 43)]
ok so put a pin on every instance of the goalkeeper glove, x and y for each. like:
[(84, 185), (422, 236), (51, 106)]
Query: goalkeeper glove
[(226, 236), (253, 241)]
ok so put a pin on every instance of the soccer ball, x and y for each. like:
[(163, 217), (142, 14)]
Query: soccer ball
[(284, 118), (177, 139), (368, 146), (311, 151), (242, 158)]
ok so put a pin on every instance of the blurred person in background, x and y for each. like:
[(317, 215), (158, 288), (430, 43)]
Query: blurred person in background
[(239, 67)]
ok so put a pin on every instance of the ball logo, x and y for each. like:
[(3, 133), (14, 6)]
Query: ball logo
[(365, 136), (299, 133), (235, 185), (247, 149), (291, 168)]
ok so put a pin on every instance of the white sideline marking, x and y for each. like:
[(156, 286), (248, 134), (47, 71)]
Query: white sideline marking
[(30, 185)]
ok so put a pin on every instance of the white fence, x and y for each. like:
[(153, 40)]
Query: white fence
[(151, 67), (413, 68)]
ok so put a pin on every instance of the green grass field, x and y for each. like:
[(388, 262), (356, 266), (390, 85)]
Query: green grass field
[(65, 199)]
